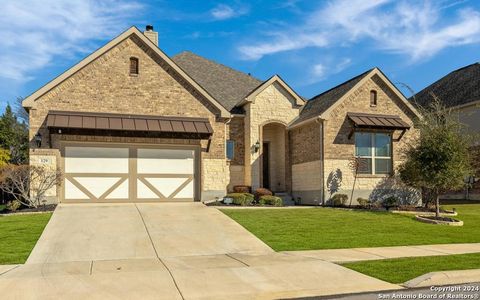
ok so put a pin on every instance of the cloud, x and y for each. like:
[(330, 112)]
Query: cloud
[(320, 71), (284, 42), (224, 12), (34, 32), (418, 30)]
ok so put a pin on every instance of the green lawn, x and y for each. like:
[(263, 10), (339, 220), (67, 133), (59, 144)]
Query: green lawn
[(18, 235), (400, 270), (327, 228)]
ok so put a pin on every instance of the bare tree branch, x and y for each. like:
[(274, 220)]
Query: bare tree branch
[(29, 184)]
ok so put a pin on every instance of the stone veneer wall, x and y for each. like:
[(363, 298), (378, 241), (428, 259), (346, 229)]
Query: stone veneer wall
[(105, 85), (306, 157), (339, 149), (272, 105), (274, 134)]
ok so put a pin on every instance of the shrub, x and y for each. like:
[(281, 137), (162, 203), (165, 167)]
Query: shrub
[(13, 205), (339, 200), (241, 189), (242, 199), (29, 184), (362, 202), (270, 200), (390, 202), (249, 198), (262, 192)]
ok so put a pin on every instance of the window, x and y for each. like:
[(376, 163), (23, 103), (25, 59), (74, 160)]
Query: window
[(374, 151), (133, 66), (230, 149), (373, 98)]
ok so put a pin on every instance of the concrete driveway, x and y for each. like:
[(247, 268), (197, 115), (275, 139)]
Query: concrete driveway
[(90, 232), (166, 251)]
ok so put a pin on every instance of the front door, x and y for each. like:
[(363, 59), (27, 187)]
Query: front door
[(266, 165)]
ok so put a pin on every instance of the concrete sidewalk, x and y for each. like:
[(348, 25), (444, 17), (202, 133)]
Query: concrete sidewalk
[(166, 251), (227, 276), (359, 254)]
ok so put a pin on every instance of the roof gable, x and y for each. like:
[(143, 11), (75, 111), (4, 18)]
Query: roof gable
[(321, 105), (274, 79), (29, 102)]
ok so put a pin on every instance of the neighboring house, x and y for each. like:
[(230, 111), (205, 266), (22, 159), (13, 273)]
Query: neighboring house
[(128, 123), (460, 91)]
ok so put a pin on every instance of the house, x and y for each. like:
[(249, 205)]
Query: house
[(460, 91), (129, 123)]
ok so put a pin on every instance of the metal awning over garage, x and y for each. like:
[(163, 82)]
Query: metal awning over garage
[(131, 125), (374, 121)]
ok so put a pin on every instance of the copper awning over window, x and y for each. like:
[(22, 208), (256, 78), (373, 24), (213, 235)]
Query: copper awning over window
[(374, 121), (98, 123)]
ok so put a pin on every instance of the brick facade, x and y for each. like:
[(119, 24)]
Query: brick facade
[(301, 158), (105, 85), (339, 149), (305, 143), (236, 132)]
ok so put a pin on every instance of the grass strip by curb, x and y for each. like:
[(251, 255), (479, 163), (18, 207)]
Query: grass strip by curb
[(400, 270)]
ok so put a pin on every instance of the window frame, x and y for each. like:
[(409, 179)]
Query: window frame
[(137, 68), (373, 98), (373, 156), (231, 142)]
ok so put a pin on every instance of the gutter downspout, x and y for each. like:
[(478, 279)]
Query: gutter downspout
[(322, 157)]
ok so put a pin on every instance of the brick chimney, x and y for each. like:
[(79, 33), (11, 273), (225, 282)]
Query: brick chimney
[(151, 35)]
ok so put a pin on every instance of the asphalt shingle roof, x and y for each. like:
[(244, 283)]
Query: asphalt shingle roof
[(320, 103), (459, 87), (225, 84)]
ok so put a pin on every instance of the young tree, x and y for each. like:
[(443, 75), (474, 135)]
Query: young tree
[(29, 184), (440, 160)]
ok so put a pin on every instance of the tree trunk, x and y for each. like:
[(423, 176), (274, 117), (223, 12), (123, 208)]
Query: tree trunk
[(437, 205), (353, 189)]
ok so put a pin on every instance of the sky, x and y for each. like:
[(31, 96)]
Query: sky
[(313, 45)]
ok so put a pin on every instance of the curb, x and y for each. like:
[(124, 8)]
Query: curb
[(444, 278)]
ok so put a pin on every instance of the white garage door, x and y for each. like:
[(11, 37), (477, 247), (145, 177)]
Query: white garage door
[(107, 174)]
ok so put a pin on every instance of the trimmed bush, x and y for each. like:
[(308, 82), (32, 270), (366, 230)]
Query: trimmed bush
[(270, 200), (339, 200), (242, 199), (249, 198), (241, 189), (362, 202), (262, 192), (390, 202), (13, 205)]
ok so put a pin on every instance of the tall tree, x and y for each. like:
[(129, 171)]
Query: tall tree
[(14, 136), (20, 111), (440, 160)]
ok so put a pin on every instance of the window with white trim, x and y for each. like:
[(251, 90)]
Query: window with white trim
[(230, 149), (374, 151)]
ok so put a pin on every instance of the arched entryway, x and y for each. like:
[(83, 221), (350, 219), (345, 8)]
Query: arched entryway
[(273, 157)]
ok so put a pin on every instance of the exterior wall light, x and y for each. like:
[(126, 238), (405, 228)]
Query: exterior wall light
[(38, 140), (256, 147)]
